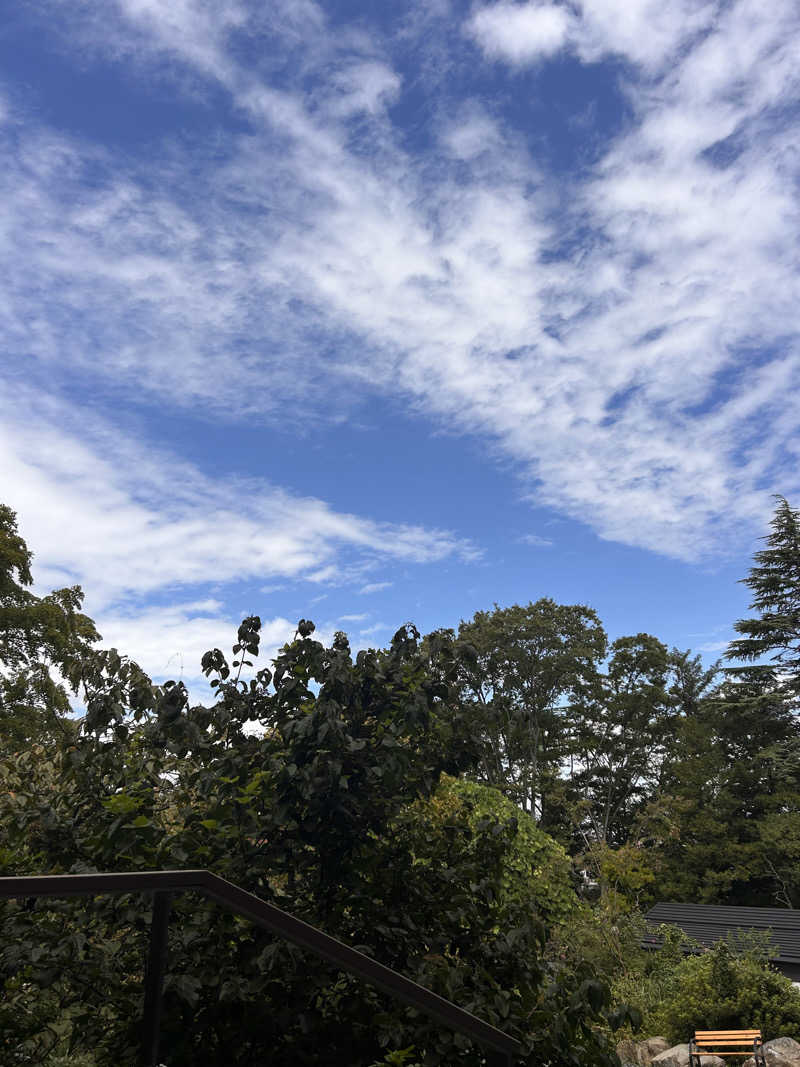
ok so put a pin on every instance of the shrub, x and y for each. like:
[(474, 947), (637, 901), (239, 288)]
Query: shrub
[(650, 978), (536, 869), (720, 990), (602, 936)]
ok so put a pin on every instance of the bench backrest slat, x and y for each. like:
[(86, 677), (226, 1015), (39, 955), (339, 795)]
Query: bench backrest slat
[(739, 1040), (727, 1033), (714, 1035)]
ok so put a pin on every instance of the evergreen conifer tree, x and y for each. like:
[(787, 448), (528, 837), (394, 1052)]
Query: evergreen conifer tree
[(775, 582)]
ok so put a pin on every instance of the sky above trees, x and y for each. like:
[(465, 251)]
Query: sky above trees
[(372, 312)]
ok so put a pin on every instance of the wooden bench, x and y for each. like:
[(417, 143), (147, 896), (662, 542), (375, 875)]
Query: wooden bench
[(726, 1043)]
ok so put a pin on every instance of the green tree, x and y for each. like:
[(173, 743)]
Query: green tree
[(41, 638), (775, 584), (733, 783), (620, 726), (625, 730), (518, 667), (732, 796)]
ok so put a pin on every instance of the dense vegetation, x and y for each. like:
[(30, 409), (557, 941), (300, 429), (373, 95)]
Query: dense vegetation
[(441, 803)]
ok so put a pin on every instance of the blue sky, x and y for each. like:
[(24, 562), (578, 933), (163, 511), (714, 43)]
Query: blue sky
[(378, 313)]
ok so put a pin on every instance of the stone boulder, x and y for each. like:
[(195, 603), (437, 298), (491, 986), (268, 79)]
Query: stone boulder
[(628, 1052), (641, 1053), (678, 1056), (653, 1047), (781, 1052)]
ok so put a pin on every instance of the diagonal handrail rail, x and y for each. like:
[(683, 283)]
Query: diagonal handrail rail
[(499, 1047)]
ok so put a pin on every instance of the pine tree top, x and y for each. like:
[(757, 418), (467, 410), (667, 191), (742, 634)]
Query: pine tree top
[(775, 582)]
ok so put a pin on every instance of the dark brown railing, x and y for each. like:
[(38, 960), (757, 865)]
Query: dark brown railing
[(499, 1048)]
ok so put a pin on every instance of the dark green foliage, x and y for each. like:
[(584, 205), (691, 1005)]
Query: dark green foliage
[(732, 796), (775, 584), (323, 814)]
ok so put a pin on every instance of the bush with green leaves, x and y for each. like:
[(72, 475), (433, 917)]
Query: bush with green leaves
[(719, 989), (536, 869), (604, 937), (682, 987), (648, 979)]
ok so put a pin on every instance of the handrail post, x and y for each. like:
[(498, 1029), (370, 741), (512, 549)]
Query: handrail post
[(154, 978)]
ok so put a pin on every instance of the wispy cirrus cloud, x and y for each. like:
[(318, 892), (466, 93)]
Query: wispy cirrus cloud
[(127, 521), (713, 646), (536, 540), (626, 335), (374, 587)]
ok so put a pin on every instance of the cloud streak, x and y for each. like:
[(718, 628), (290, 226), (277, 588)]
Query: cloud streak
[(138, 529), (626, 335)]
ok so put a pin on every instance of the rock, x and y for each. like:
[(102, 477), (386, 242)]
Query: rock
[(781, 1052), (628, 1052), (641, 1053), (678, 1056), (654, 1046)]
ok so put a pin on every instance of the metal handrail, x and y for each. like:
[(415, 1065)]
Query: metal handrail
[(499, 1047)]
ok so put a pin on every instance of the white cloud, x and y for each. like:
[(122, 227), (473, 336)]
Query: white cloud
[(472, 133), (375, 587), (713, 646), (520, 33), (354, 618), (536, 540), (646, 32), (194, 31), (169, 642), (627, 336), (362, 87), (124, 520)]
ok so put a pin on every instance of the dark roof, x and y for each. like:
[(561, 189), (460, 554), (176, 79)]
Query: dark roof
[(708, 923)]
